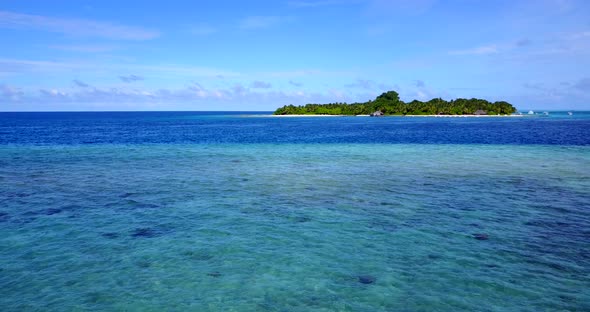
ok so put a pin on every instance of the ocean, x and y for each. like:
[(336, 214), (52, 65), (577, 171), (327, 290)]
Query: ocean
[(238, 211)]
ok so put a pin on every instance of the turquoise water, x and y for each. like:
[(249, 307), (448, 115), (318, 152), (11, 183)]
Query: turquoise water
[(295, 227)]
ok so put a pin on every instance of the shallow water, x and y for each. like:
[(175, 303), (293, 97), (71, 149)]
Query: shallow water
[(294, 227)]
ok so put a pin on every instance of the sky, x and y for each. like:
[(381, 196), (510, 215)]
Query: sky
[(259, 55)]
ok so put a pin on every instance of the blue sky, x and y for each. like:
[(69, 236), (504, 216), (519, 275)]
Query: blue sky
[(259, 55)]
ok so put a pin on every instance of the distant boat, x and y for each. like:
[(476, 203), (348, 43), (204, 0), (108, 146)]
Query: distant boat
[(570, 113), (546, 113), (531, 112)]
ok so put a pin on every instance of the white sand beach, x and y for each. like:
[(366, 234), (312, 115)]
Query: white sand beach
[(460, 116), (289, 116), (437, 116)]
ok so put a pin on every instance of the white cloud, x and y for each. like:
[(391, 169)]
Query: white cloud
[(371, 86), (523, 42), (74, 27), (534, 86), (18, 66), (337, 94), (90, 48), (424, 94), (579, 35), (130, 78), (260, 85), (421, 96), (80, 84), (388, 87), (553, 48), (193, 96), (198, 90), (483, 50), (239, 89), (33, 66), (53, 93), (362, 84), (10, 93)]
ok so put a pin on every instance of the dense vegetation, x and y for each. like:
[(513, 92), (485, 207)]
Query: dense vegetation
[(390, 104)]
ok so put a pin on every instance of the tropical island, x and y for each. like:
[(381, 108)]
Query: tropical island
[(389, 103)]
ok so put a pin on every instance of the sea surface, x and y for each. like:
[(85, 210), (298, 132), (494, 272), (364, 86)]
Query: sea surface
[(238, 211)]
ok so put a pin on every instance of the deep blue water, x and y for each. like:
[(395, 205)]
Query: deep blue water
[(184, 211), (232, 127)]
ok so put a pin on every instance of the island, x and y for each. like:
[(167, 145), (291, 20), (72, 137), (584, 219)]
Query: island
[(389, 103)]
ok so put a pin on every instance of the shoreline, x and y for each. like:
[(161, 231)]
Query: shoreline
[(459, 116), (436, 116)]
